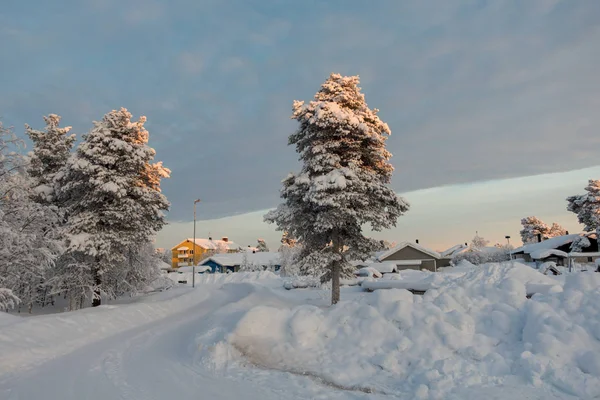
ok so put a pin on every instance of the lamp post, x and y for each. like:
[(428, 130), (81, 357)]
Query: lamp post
[(194, 247), (507, 240), (508, 246)]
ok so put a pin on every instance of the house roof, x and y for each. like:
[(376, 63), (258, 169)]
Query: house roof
[(547, 244), (210, 244), (545, 253), (415, 246), (453, 250), (233, 259)]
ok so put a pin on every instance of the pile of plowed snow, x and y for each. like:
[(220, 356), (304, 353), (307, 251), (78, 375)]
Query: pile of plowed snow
[(220, 279), (473, 329)]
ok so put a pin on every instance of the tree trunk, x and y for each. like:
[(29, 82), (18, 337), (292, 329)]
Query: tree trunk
[(335, 271), (96, 299)]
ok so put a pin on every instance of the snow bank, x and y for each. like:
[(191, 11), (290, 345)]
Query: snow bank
[(473, 330), (220, 279)]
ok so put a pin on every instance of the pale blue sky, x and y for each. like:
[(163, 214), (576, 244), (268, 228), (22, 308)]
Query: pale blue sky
[(473, 90)]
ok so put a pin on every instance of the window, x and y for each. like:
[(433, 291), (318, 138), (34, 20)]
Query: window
[(590, 259)]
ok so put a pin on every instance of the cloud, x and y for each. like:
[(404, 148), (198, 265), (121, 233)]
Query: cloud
[(191, 62), (472, 90)]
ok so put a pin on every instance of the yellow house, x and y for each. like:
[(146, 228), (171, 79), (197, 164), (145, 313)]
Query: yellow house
[(187, 253)]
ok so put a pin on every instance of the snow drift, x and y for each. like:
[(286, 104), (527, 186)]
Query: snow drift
[(472, 330)]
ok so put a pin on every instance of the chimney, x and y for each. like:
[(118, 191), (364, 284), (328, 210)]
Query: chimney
[(225, 239), (417, 241), (539, 237)]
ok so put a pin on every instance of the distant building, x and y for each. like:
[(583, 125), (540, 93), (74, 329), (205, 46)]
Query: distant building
[(187, 254), (406, 255), (558, 250), (233, 262)]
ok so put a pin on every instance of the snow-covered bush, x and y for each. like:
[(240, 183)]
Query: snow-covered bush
[(7, 299), (482, 256), (29, 240)]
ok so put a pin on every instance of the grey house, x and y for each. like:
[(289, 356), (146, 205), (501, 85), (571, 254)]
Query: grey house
[(409, 255)]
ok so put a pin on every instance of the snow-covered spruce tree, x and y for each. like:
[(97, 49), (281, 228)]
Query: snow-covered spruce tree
[(51, 150), (112, 192), (262, 246), (343, 183), (587, 207), (28, 244)]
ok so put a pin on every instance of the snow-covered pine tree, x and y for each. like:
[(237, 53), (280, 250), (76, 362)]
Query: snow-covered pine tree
[(580, 243), (556, 230), (587, 207), (287, 240), (478, 242), (288, 255), (112, 191), (262, 246), (343, 184), (532, 226), (28, 244), (51, 150)]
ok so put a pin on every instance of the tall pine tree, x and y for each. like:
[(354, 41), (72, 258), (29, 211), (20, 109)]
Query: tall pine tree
[(112, 191), (587, 207), (51, 150), (343, 184)]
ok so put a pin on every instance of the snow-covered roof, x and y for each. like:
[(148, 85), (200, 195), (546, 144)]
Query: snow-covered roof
[(545, 253), (590, 254), (211, 244), (453, 250), (233, 259), (551, 243), (164, 266), (415, 246)]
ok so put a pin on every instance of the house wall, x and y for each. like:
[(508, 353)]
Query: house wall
[(200, 253), (408, 253)]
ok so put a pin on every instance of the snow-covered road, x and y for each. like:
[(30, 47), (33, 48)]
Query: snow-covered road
[(157, 361)]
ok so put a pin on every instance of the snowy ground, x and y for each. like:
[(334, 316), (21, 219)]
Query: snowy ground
[(474, 335)]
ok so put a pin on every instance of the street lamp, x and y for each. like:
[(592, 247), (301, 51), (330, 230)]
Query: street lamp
[(194, 247), (508, 246), (507, 239)]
